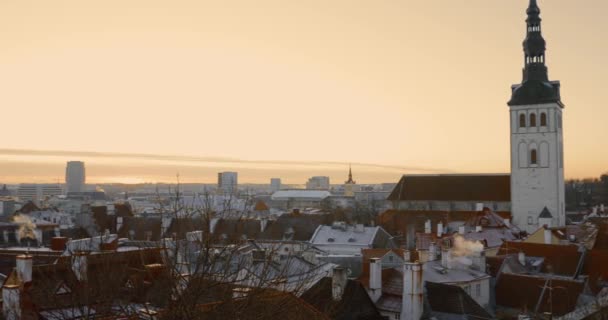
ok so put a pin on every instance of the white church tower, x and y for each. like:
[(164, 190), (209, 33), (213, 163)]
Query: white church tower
[(537, 161)]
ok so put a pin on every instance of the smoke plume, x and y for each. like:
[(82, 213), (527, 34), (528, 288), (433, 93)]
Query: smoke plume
[(26, 227), (464, 248)]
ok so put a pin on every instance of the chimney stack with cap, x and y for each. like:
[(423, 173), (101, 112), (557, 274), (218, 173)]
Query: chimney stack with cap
[(413, 301), (375, 278), (24, 267), (338, 283)]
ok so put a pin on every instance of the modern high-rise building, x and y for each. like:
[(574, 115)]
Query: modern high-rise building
[(75, 176), (275, 184), (227, 182), (318, 183), (537, 152), (37, 192)]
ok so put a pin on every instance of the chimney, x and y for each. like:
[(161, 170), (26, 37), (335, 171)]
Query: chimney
[(263, 224), (479, 206), (79, 265), (594, 212), (479, 261), (521, 257), (212, 223), (338, 283), (432, 251), (165, 223), (507, 222), (5, 235), (407, 256), (119, 222), (24, 267), (602, 208), (439, 229), (547, 233), (412, 303), (375, 279), (427, 226), (446, 258), (11, 302), (478, 228), (57, 232), (462, 229), (58, 243)]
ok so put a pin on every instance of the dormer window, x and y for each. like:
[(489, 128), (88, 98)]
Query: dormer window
[(331, 240), (352, 240)]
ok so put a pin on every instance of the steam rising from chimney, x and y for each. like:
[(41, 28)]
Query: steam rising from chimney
[(26, 227), (466, 253)]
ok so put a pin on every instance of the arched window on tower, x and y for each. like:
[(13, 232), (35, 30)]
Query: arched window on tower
[(522, 120), (533, 157), (533, 120), (543, 119)]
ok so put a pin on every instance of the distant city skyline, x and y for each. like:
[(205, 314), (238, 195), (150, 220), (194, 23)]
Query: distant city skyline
[(402, 84)]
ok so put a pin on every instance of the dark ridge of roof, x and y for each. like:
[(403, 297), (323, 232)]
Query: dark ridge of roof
[(454, 300), (28, 207), (559, 259), (355, 302), (524, 291), (143, 228), (237, 229), (303, 226), (545, 213), (453, 188)]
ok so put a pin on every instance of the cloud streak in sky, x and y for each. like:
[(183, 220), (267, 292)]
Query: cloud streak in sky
[(23, 165)]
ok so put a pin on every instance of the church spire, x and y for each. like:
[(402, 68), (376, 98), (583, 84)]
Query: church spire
[(350, 175), (535, 87), (534, 46)]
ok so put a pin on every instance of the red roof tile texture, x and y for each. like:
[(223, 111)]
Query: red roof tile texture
[(453, 188), (559, 259)]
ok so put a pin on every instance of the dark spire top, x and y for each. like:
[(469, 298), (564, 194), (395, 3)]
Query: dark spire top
[(350, 175), (535, 87)]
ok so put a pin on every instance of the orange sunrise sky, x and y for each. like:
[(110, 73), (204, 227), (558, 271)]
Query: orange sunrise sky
[(143, 89)]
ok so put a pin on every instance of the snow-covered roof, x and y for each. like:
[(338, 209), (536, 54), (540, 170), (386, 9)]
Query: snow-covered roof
[(344, 235), (306, 194)]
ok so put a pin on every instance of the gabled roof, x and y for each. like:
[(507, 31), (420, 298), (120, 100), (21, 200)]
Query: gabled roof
[(453, 188), (261, 206), (295, 227), (355, 302), (451, 299), (329, 235)]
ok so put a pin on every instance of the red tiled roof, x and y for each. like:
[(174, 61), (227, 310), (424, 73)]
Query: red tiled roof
[(559, 259), (261, 206), (453, 188), (523, 292), (596, 266)]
